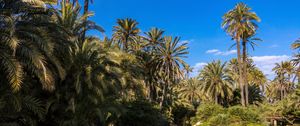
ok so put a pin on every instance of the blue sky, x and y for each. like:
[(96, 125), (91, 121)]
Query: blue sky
[(198, 22)]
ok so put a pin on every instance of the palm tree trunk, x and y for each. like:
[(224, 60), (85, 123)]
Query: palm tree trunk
[(163, 96), (298, 79), (85, 11), (86, 6), (298, 76), (241, 80), (216, 99), (281, 93), (126, 44), (284, 92), (152, 92), (149, 92), (263, 89), (245, 72)]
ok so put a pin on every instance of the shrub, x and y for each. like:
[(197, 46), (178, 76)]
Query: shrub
[(216, 115), (246, 114), (141, 113), (205, 111), (181, 115)]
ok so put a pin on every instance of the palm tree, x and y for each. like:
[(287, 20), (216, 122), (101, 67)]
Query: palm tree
[(26, 60), (296, 62), (278, 89), (125, 32), (296, 44), (233, 71), (257, 78), (38, 3), (283, 71), (69, 19), (248, 38), (168, 61), (85, 11), (296, 59), (215, 81), (26, 48), (238, 22), (153, 38), (20, 109), (190, 89), (91, 72)]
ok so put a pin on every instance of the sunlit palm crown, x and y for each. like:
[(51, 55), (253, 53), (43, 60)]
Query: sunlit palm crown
[(126, 32), (154, 36), (284, 67), (216, 81), (168, 59), (191, 89), (240, 20)]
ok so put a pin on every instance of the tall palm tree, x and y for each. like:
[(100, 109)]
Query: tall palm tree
[(168, 61), (69, 19), (153, 38), (85, 11), (236, 23), (215, 81), (69, 27), (126, 32), (248, 38)]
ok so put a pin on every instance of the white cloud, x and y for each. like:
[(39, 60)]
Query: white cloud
[(218, 52), (266, 63), (213, 51), (196, 68)]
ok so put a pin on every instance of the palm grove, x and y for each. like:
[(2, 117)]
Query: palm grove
[(52, 72)]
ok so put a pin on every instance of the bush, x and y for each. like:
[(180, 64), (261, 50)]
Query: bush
[(220, 120), (181, 115), (141, 113), (246, 114), (206, 111), (216, 115)]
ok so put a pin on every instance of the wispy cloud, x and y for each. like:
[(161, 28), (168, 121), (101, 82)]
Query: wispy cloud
[(213, 51), (274, 46), (196, 68), (218, 52), (267, 63), (186, 41)]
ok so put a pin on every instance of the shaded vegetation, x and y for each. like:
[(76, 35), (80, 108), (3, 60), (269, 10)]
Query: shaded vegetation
[(54, 72)]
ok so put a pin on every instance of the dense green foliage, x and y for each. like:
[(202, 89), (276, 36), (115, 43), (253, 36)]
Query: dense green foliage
[(53, 72), (142, 113), (216, 115)]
